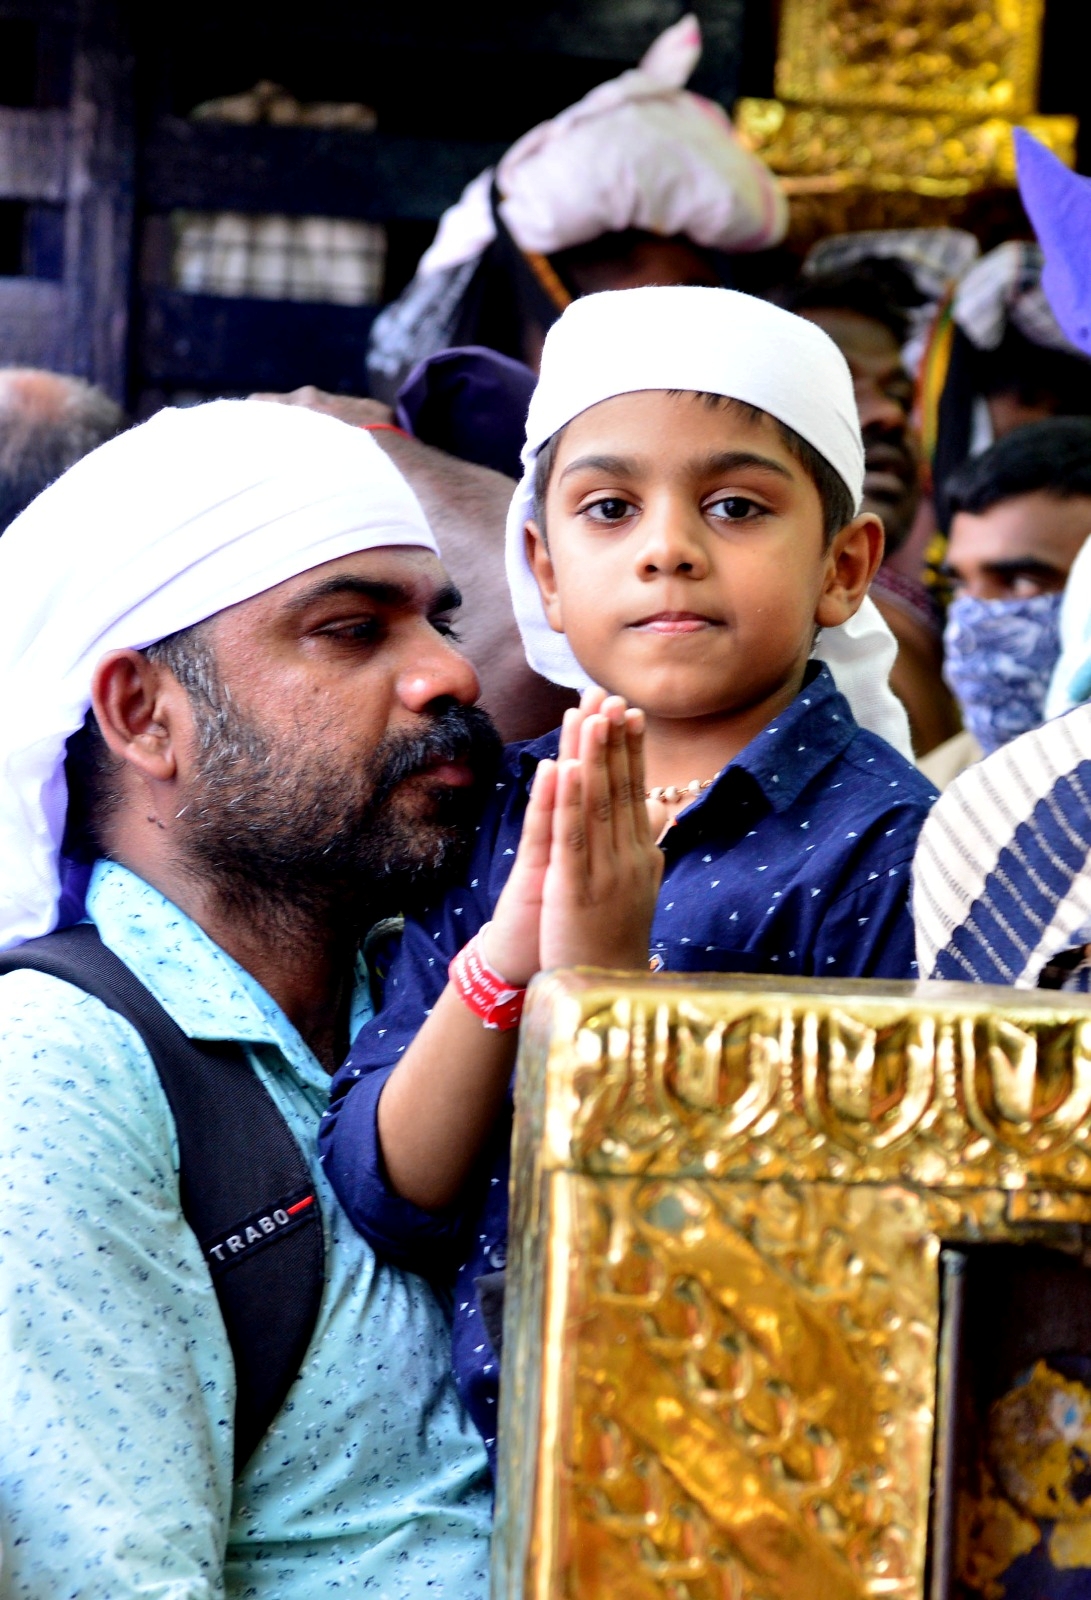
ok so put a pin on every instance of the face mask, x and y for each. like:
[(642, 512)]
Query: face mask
[(999, 657)]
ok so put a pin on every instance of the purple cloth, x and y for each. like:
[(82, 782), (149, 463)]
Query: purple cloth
[(75, 878), (1058, 203), (471, 402)]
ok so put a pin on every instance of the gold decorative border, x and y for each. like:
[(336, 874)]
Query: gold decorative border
[(948, 1085)]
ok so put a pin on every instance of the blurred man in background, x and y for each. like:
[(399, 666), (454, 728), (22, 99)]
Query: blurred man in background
[(48, 422), (863, 309)]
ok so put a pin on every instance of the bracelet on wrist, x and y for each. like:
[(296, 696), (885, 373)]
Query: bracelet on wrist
[(491, 998)]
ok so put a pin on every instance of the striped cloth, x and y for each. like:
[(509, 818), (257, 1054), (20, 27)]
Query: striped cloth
[(1002, 878)]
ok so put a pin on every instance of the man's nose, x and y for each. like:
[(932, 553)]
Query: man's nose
[(879, 411), (434, 670)]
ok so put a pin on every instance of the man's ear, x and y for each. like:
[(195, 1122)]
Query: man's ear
[(541, 564), (852, 560), (138, 703)]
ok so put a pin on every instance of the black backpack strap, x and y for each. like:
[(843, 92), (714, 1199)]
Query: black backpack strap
[(246, 1190)]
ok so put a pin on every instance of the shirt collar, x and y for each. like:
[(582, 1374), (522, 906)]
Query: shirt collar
[(208, 994), (783, 758), (544, 748), (800, 743)]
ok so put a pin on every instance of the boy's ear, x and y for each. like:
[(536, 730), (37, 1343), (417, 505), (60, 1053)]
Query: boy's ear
[(541, 564), (852, 560)]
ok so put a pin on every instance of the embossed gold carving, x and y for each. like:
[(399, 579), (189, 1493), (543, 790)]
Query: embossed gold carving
[(969, 56), (721, 1341), (815, 149), (902, 95)]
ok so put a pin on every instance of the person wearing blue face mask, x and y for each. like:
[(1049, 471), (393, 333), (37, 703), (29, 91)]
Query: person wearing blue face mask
[(1021, 512)]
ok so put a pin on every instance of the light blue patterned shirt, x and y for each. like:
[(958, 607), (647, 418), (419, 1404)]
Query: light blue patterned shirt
[(116, 1378)]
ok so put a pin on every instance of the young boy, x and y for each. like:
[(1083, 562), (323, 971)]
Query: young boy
[(687, 523)]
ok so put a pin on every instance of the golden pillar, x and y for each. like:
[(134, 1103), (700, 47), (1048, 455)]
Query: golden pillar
[(735, 1362)]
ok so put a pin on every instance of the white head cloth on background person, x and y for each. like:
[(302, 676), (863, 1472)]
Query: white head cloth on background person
[(638, 152), (190, 513), (710, 341)]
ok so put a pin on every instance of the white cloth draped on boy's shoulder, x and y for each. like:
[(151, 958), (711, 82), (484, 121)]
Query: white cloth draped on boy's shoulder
[(711, 341), (1002, 875), (192, 512)]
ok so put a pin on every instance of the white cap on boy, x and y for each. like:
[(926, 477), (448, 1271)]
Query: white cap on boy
[(711, 341)]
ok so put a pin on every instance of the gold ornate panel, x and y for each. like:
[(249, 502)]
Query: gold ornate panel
[(723, 1333), (976, 57), (901, 97)]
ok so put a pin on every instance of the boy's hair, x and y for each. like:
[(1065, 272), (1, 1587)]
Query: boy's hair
[(836, 501), (1051, 457)]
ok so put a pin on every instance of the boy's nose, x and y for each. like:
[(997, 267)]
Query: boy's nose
[(672, 546)]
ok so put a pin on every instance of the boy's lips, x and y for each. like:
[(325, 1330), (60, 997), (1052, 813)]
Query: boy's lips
[(674, 622)]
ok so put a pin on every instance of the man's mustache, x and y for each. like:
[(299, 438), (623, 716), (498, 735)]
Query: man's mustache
[(457, 733)]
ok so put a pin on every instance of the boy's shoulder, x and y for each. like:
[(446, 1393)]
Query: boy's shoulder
[(885, 773), (815, 754)]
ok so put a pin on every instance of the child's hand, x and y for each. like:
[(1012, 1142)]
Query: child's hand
[(511, 944), (604, 867)]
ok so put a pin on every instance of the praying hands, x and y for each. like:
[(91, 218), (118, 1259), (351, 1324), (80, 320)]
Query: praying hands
[(583, 888)]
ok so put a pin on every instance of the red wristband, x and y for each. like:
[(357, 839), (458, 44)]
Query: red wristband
[(489, 996), (387, 427)]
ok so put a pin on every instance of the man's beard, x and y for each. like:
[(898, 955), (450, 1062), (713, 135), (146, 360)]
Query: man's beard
[(286, 836)]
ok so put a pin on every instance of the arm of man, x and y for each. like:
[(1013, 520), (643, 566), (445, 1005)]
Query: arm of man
[(116, 1379), (467, 507)]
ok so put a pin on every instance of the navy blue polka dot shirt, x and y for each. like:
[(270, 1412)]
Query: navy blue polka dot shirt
[(796, 860)]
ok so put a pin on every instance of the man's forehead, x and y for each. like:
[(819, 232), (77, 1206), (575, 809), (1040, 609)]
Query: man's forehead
[(1027, 522), (412, 575), (858, 336)]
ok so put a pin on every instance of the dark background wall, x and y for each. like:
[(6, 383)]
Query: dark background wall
[(96, 152)]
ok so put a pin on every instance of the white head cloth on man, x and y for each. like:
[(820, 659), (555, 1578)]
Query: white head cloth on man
[(192, 512), (711, 341)]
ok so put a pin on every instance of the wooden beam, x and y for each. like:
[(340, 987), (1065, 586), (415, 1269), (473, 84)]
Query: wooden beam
[(210, 166), (31, 323), (219, 345), (33, 155), (98, 224)]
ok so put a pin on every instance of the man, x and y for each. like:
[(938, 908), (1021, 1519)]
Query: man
[(861, 310), (239, 613), (1002, 877), (47, 422), (1020, 514)]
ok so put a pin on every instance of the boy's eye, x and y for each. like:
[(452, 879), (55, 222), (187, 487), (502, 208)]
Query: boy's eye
[(446, 628), (735, 508), (612, 509)]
